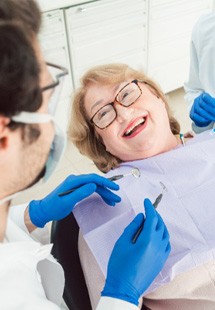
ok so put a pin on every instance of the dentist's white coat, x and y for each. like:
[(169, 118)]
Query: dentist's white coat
[(202, 62), (30, 278)]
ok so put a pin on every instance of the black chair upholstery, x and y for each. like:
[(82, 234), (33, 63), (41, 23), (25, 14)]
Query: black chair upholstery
[(64, 236)]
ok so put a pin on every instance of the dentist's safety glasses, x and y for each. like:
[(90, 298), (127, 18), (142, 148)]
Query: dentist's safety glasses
[(58, 75)]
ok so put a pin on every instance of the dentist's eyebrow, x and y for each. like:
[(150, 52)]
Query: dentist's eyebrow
[(101, 100)]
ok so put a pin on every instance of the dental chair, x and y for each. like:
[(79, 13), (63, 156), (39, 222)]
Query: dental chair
[(64, 236)]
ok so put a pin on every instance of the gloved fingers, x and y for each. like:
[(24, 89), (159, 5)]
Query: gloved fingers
[(199, 120), (208, 111), (202, 111), (166, 241), (161, 227), (209, 100), (76, 181), (165, 233), (79, 194), (205, 110), (133, 227), (151, 220), (109, 197), (168, 249)]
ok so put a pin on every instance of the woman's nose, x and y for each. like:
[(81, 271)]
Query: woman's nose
[(123, 113)]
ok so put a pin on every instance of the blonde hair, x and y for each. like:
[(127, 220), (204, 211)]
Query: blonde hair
[(82, 132)]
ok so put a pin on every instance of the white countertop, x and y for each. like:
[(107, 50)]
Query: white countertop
[(47, 5)]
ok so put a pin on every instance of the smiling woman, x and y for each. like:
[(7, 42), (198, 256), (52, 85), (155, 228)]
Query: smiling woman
[(121, 119), (120, 114)]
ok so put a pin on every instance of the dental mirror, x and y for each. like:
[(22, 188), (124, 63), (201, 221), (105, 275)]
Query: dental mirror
[(135, 172)]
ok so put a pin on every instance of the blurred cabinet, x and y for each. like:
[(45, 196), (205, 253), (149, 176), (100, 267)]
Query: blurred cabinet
[(54, 44), (153, 35), (170, 26), (107, 31)]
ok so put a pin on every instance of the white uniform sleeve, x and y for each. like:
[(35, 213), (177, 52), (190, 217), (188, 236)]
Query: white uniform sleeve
[(193, 86), (107, 303), (16, 215), (197, 129)]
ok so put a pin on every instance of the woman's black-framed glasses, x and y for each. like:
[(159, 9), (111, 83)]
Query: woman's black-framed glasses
[(125, 97)]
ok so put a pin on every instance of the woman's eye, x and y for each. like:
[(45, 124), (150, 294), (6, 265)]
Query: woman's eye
[(125, 95), (102, 114)]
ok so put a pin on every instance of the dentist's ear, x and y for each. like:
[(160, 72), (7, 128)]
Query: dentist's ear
[(4, 121)]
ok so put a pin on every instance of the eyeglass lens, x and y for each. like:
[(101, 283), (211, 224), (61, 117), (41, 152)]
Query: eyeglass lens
[(58, 82), (126, 97)]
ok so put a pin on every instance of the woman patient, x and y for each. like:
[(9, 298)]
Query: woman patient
[(120, 120)]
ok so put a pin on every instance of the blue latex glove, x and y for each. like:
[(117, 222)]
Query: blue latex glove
[(133, 267), (203, 110), (53, 207)]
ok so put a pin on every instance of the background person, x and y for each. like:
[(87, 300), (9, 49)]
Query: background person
[(200, 93)]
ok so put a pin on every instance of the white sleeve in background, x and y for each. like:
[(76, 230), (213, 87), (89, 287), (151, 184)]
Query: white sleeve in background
[(193, 86), (197, 129), (107, 303), (16, 215), (202, 60)]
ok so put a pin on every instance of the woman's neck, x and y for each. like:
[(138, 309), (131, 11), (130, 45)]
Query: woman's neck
[(172, 142)]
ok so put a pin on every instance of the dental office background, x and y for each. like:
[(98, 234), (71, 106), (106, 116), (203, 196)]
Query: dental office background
[(153, 35)]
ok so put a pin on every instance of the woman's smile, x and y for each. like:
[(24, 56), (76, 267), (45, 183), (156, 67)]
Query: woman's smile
[(135, 127)]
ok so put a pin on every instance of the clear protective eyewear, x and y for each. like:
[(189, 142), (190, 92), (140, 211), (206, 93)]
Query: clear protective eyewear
[(57, 73), (125, 97)]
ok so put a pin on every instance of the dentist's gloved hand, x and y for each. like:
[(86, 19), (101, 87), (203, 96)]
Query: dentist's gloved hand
[(203, 110), (53, 207), (133, 267)]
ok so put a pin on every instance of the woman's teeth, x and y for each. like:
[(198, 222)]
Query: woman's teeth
[(134, 127)]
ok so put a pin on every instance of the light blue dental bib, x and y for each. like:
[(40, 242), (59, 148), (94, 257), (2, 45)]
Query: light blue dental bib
[(187, 208)]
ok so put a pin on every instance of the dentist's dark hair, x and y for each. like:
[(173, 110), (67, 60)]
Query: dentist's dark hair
[(27, 13), (24, 11), (19, 73)]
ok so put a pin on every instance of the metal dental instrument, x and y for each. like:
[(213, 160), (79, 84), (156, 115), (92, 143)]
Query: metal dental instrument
[(155, 204), (159, 197), (135, 172)]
